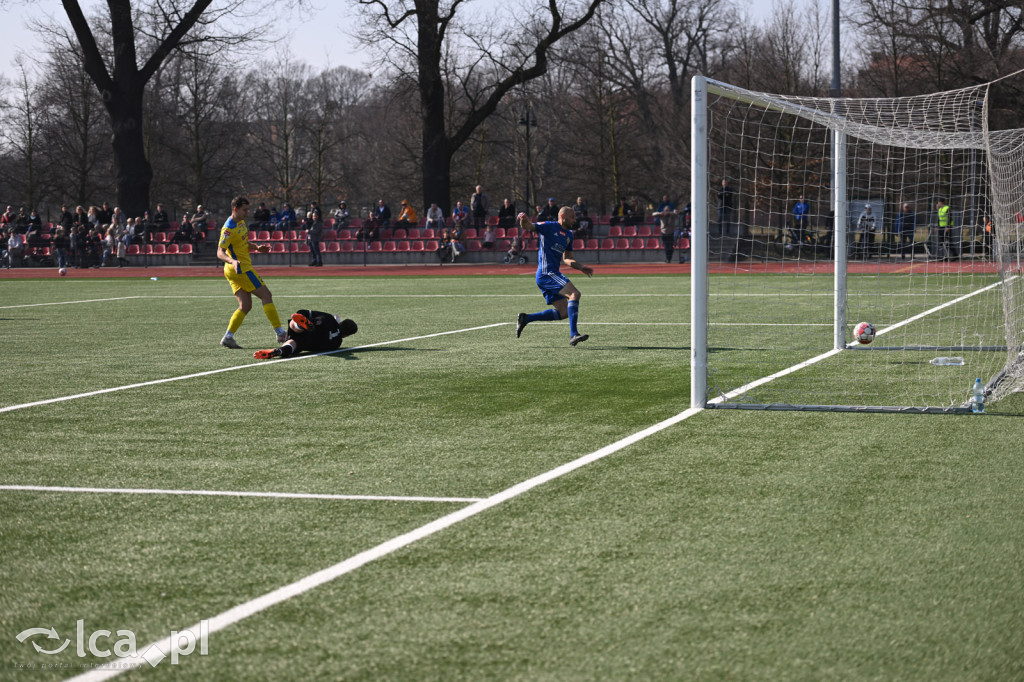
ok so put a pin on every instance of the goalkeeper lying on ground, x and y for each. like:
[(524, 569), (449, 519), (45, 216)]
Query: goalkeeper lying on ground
[(312, 331)]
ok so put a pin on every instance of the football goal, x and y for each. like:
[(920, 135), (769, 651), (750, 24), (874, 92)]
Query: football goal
[(811, 215)]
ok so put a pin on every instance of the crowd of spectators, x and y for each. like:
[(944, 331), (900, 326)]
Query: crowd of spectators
[(99, 236)]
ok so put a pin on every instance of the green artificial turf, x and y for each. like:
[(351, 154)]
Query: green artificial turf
[(733, 545)]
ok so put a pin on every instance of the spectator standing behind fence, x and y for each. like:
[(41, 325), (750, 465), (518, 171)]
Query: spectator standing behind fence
[(161, 223), (479, 204), (314, 234), (66, 218), (904, 227), (407, 217), (60, 247), (666, 215), (950, 246), (725, 205), (382, 214), (435, 218), (801, 217), (507, 214), (341, 216), (865, 232), (935, 251)]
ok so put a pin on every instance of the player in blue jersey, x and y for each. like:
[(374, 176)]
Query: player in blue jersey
[(555, 249)]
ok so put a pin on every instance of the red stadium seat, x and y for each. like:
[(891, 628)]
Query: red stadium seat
[(511, 232), (614, 231), (492, 221), (344, 234), (385, 234), (333, 247), (644, 231), (389, 247), (172, 249), (471, 233), (374, 247), (347, 247), (577, 245), (474, 245), (301, 235), (291, 235), (160, 237), (621, 244), (591, 244), (403, 246), (636, 243), (355, 223), (431, 245), (499, 233), (400, 233), (277, 236), (414, 234), (185, 248), (417, 246), (263, 236), (330, 235), (133, 250), (278, 247), (629, 231), (654, 243), (503, 244), (303, 247)]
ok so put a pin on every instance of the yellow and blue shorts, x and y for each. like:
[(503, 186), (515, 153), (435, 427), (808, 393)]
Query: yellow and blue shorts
[(246, 280)]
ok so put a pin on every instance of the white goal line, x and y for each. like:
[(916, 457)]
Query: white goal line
[(268, 363), (234, 493)]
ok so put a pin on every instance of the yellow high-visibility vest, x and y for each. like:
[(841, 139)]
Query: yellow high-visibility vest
[(944, 220)]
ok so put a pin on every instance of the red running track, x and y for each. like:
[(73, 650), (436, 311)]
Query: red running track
[(273, 271)]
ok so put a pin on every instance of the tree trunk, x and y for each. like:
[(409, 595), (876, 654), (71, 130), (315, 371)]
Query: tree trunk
[(134, 174), (437, 148)]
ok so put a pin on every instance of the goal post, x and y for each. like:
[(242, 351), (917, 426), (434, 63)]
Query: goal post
[(810, 215)]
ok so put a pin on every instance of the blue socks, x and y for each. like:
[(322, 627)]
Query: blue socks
[(549, 315), (574, 312)]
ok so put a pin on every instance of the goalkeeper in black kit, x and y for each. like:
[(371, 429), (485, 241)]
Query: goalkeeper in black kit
[(311, 331)]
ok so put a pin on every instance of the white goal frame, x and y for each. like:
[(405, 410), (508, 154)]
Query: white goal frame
[(702, 89)]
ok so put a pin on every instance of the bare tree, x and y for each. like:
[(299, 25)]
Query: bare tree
[(121, 81), (20, 131), (415, 35)]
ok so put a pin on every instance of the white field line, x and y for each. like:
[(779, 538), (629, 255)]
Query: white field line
[(254, 606), (114, 389), (807, 363), (88, 300), (281, 594), (234, 493)]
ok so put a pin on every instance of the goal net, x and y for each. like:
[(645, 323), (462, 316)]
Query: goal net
[(818, 214)]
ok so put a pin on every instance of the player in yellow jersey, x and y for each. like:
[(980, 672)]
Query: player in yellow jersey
[(233, 249)]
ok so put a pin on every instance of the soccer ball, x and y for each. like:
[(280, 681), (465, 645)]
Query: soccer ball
[(864, 332), (63, 271)]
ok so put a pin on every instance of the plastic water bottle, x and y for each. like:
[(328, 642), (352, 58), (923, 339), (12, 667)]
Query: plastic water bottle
[(944, 361), (157, 279), (978, 397)]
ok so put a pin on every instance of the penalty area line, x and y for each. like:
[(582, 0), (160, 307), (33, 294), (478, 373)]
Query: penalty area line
[(281, 594), (233, 493), (154, 382)]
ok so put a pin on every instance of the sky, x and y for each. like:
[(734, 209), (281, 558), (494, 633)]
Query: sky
[(321, 36)]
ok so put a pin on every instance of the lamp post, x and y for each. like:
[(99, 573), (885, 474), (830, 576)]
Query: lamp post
[(530, 121)]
